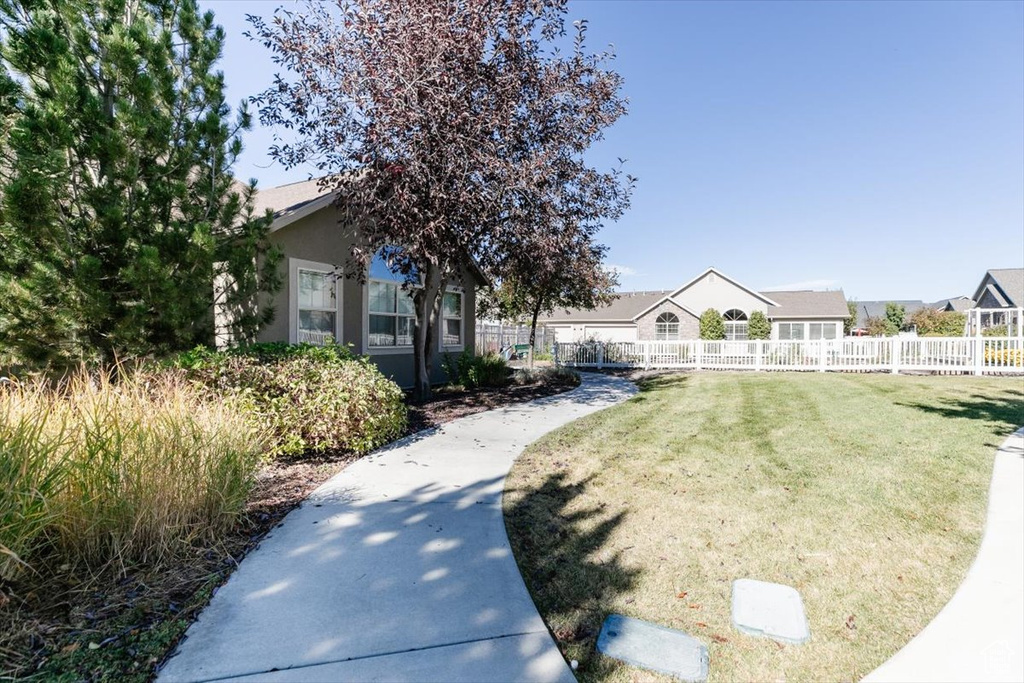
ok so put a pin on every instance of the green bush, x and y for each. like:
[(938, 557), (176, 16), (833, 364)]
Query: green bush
[(310, 398), (996, 331), (932, 323), (470, 371), (119, 466), (712, 326), (759, 327)]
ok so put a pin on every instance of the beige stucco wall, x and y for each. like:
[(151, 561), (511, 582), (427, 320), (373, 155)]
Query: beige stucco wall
[(714, 291), (689, 326)]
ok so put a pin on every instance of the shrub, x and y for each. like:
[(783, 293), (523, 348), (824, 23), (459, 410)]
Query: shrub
[(759, 327), (996, 331), (711, 325), (895, 315), (549, 375), (932, 323), (310, 398), (119, 466), (470, 371), (880, 327)]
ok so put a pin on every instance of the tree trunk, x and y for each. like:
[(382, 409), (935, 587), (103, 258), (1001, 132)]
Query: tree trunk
[(426, 318), (533, 328)]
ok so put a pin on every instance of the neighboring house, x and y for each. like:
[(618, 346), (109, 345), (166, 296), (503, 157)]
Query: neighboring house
[(958, 304), (1001, 288), (317, 302), (999, 300), (675, 314)]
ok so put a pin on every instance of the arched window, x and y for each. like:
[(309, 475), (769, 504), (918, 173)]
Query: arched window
[(735, 324), (666, 327)]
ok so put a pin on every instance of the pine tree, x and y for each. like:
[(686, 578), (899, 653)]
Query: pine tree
[(119, 211)]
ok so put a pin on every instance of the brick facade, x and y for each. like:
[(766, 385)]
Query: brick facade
[(689, 327)]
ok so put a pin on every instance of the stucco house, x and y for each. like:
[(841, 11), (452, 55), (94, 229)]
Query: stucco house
[(317, 301), (675, 314)]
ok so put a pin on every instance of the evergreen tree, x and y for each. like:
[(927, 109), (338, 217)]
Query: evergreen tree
[(712, 326), (759, 326), (119, 211)]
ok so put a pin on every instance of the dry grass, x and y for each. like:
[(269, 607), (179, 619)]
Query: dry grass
[(865, 492)]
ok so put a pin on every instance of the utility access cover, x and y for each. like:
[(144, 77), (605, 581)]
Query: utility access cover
[(654, 647), (771, 610)]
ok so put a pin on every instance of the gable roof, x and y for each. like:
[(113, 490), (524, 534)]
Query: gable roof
[(809, 304), (625, 308), (954, 303), (1009, 286)]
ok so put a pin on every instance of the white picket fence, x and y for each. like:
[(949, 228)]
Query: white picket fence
[(961, 355)]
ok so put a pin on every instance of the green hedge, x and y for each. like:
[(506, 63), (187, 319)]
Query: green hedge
[(310, 398), (467, 370)]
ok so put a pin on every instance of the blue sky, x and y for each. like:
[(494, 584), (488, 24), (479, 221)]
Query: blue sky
[(872, 146)]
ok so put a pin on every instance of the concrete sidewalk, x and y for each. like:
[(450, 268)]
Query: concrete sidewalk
[(396, 569), (979, 634)]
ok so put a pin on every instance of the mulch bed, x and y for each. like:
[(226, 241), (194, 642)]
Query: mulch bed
[(121, 625)]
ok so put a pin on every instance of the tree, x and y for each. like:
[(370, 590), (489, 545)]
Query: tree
[(851, 307), (556, 268), (448, 131), (895, 317), (119, 211), (880, 327), (712, 326), (932, 323), (759, 327)]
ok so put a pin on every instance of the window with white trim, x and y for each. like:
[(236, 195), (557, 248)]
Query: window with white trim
[(791, 331), (821, 331), (451, 319), (317, 306), (666, 327), (392, 316), (735, 324)]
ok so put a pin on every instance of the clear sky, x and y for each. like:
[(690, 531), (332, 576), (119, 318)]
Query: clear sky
[(872, 146)]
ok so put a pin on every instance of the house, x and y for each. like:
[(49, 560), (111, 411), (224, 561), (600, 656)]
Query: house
[(674, 314), (317, 302), (999, 300)]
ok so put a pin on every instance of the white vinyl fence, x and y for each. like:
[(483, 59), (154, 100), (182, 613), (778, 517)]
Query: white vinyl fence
[(492, 338), (984, 355)]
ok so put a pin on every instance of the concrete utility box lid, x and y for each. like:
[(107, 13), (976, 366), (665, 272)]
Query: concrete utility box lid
[(654, 647), (771, 610)]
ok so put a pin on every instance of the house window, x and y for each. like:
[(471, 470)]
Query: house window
[(392, 314), (821, 331), (317, 306), (735, 324), (451, 319), (666, 327), (791, 330)]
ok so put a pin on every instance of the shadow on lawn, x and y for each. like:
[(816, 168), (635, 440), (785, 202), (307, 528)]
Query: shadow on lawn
[(565, 558), (1005, 413)]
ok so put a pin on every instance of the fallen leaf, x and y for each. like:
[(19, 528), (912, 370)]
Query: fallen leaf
[(681, 595), (70, 648), (702, 624), (719, 639), (695, 607), (94, 646), (850, 623)]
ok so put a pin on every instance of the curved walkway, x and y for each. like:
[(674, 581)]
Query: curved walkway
[(396, 569), (979, 634)]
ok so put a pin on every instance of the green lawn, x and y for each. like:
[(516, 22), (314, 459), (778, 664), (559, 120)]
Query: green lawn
[(865, 492)]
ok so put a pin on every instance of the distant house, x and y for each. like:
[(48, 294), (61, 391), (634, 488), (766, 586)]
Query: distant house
[(876, 309), (674, 314), (959, 304), (999, 300), (317, 302)]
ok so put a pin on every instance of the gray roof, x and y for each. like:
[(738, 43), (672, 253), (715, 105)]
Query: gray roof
[(800, 304), (1011, 282), (955, 303), (808, 304), (288, 198), (623, 309), (876, 309)]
